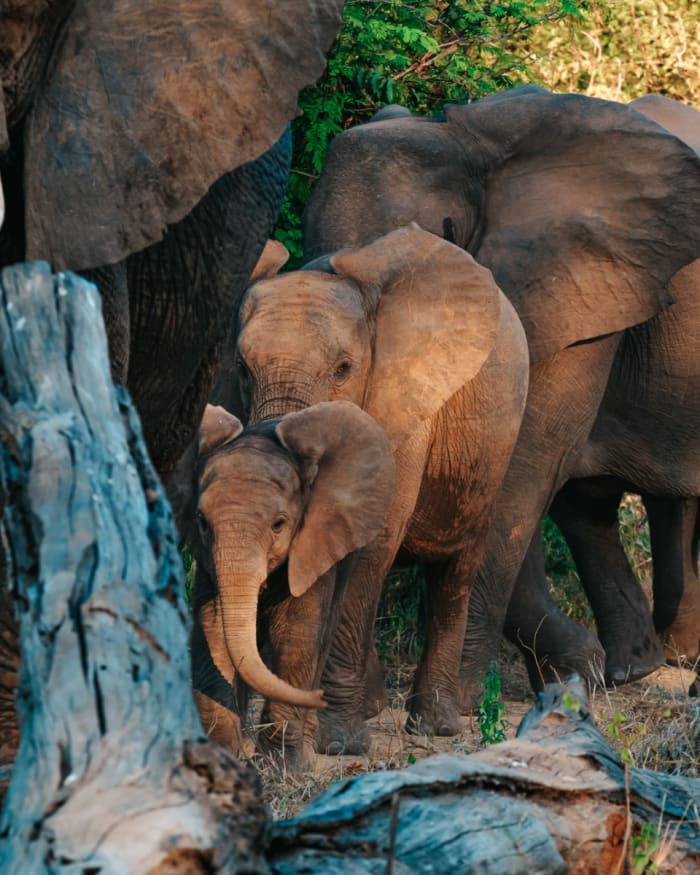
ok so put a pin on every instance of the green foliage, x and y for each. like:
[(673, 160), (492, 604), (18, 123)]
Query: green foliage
[(420, 53), (490, 713), (189, 565), (399, 628), (561, 571), (644, 847), (626, 733)]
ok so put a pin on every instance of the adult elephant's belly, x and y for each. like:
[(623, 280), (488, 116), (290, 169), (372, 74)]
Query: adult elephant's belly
[(648, 428)]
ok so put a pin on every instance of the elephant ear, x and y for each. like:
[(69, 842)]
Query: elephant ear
[(681, 120), (272, 259), (148, 104), (590, 209), (218, 427), (437, 314), (348, 467)]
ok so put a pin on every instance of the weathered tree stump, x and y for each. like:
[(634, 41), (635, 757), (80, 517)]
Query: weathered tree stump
[(556, 799), (113, 773)]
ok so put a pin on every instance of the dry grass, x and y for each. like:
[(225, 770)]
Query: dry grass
[(653, 724)]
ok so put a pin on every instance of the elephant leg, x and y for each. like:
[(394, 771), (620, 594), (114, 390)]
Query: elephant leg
[(674, 526), (563, 399), (114, 292), (552, 644), (300, 632), (433, 706), (375, 693), (586, 512), (345, 674)]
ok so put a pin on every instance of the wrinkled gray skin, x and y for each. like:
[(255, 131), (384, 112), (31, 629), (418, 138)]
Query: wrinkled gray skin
[(419, 335), (534, 186), (586, 509)]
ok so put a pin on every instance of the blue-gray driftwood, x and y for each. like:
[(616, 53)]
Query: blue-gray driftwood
[(113, 774), (554, 800)]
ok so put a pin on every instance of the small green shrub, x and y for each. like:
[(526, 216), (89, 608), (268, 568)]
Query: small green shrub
[(490, 714), (644, 846)]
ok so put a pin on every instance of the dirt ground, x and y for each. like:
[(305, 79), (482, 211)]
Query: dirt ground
[(654, 723)]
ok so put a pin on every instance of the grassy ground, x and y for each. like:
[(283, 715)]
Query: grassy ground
[(653, 723)]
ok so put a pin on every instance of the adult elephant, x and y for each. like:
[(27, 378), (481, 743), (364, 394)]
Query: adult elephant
[(411, 329), (584, 211), (143, 144), (655, 378)]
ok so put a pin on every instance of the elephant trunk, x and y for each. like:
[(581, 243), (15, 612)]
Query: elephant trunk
[(239, 587), (278, 395)]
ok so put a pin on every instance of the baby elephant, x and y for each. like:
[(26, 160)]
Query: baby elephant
[(412, 330), (309, 488)]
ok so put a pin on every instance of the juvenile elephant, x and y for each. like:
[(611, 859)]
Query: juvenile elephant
[(411, 329), (584, 210)]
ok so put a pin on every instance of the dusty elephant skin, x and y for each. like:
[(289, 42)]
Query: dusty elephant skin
[(132, 162), (415, 332), (664, 388), (584, 210), (140, 150)]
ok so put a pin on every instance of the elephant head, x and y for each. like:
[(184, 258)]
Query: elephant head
[(582, 208), (397, 327), (307, 489)]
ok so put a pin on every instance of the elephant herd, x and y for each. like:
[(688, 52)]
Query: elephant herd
[(499, 317)]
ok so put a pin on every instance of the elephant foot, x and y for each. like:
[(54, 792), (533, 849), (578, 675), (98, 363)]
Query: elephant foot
[(681, 640), (285, 737), (220, 724), (337, 735), (433, 714), (626, 662), (560, 647)]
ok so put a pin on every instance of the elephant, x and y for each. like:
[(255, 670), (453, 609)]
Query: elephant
[(584, 210), (586, 509), (410, 329), (145, 145)]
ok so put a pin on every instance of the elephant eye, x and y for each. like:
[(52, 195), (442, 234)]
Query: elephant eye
[(202, 523), (342, 370), (278, 525)]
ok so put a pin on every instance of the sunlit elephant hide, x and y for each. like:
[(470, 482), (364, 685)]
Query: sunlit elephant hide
[(412, 330), (584, 210)]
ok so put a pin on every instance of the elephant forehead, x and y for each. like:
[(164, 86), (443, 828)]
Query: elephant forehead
[(301, 293), (301, 313), (248, 475)]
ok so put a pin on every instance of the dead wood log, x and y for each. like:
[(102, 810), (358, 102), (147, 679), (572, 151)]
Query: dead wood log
[(556, 799), (113, 774)]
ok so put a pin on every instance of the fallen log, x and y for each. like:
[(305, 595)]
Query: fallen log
[(556, 799), (114, 774)]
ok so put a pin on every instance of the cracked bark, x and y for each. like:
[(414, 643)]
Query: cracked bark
[(113, 772), (553, 800)]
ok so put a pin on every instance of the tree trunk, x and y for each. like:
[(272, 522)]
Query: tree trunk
[(556, 799), (113, 773)]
